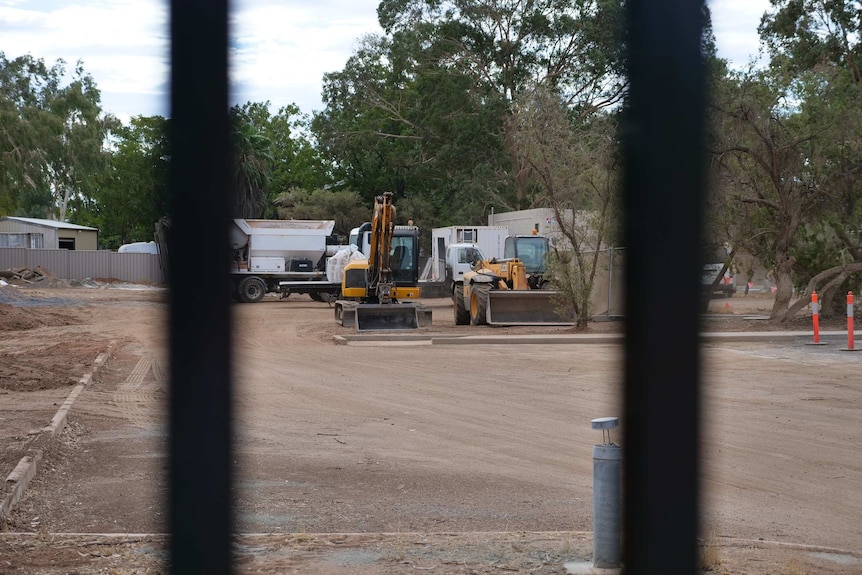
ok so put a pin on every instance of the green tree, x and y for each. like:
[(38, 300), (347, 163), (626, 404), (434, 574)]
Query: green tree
[(802, 35), (424, 109), (343, 206), (418, 132), (252, 164), (133, 192), (763, 145), (577, 165), (815, 117), (21, 97), (506, 46), (52, 138), (274, 154), (787, 146)]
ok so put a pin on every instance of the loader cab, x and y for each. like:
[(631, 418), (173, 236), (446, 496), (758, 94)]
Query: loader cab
[(532, 250)]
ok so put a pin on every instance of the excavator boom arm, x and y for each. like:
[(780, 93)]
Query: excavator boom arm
[(382, 230)]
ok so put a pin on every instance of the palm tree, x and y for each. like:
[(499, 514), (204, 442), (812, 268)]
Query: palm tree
[(252, 160)]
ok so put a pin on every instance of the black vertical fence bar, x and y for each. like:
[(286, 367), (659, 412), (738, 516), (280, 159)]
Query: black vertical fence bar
[(200, 394), (664, 143)]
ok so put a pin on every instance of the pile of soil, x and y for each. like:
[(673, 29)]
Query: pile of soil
[(13, 318)]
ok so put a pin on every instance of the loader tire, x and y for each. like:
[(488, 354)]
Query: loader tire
[(462, 315), (479, 304), (251, 290)]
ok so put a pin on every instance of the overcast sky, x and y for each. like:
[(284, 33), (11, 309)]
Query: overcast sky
[(281, 49)]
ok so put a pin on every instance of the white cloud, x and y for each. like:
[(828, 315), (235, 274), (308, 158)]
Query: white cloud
[(123, 45), (279, 50), (282, 51), (735, 25)]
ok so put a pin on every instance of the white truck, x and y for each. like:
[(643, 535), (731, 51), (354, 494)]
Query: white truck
[(459, 259), (282, 256), (488, 239)]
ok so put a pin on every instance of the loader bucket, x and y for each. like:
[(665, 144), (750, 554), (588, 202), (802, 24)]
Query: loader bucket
[(523, 307), (386, 317)]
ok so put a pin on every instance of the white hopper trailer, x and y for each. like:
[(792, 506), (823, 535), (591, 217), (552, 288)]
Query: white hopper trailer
[(282, 256)]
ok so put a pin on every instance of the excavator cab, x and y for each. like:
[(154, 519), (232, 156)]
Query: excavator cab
[(374, 290), (383, 308)]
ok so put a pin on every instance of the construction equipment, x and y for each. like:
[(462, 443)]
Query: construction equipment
[(372, 290), (282, 256), (505, 291)]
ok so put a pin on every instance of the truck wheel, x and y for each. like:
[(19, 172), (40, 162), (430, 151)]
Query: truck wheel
[(316, 296), (251, 290), (479, 303), (462, 316)]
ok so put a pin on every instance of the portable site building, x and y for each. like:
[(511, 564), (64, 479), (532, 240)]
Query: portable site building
[(35, 233)]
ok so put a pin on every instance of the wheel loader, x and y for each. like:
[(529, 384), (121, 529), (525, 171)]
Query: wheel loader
[(503, 292)]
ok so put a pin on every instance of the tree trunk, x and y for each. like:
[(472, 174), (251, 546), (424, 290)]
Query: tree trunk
[(64, 199), (784, 288)]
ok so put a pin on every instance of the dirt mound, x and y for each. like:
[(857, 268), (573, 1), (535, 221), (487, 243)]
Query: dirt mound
[(14, 318), (53, 366)]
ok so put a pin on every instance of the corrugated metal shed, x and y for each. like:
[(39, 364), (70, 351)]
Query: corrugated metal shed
[(48, 234), (79, 265)]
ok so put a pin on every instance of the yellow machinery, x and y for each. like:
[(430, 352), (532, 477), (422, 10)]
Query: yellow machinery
[(502, 292), (373, 290)]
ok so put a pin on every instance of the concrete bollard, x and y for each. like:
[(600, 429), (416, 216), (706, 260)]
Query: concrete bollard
[(607, 462)]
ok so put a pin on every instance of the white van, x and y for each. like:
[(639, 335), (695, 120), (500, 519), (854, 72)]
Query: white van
[(139, 248), (715, 262)]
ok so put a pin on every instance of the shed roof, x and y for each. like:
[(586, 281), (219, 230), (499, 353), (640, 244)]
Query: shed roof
[(49, 223)]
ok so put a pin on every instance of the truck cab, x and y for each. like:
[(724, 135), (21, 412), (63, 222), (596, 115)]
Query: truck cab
[(715, 258), (460, 259)]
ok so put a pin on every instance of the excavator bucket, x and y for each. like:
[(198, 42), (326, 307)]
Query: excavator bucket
[(524, 307), (386, 317)]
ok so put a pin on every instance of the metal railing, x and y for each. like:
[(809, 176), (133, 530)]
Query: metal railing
[(665, 167)]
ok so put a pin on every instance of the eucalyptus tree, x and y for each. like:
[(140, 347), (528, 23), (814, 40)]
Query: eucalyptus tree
[(345, 207), (802, 35), (52, 137), (132, 194), (395, 122), (577, 163), (426, 106), (763, 145), (814, 75)]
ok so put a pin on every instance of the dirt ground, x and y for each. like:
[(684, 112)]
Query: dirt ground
[(407, 457)]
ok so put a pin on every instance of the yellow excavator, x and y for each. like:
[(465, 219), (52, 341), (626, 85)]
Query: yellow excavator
[(374, 290), (509, 291)]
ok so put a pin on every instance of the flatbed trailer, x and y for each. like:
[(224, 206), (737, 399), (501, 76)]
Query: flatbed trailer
[(251, 287)]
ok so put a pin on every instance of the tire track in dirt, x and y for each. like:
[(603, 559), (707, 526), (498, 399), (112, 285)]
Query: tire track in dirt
[(138, 399)]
